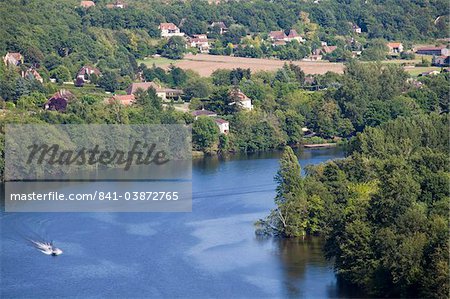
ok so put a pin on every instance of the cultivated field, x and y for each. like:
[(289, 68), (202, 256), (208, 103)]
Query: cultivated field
[(205, 64)]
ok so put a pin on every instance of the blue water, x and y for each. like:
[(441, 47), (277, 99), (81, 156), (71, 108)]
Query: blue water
[(211, 252)]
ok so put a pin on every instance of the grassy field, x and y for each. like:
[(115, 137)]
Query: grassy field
[(416, 71), (158, 61), (87, 89)]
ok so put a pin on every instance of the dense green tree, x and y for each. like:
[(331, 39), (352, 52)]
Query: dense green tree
[(174, 48), (205, 134)]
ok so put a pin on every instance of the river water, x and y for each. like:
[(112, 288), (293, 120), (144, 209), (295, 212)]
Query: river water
[(210, 252)]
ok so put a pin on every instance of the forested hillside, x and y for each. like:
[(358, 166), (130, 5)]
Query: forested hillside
[(74, 34), (383, 210)]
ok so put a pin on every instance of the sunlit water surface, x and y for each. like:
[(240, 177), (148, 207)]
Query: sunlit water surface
[(211, 252)]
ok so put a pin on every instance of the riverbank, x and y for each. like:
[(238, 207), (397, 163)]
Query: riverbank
[(320, 145)]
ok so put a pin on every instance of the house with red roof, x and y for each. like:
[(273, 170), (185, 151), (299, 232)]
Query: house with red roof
[(395, 48), (169, 30), (13, 58), (277, 35), (199, 41)]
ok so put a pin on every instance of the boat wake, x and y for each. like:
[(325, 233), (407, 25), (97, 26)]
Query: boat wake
[(46, 248)]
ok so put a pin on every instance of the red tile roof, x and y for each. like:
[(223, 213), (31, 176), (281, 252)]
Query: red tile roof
[(394, 45), (293, 34), (168, 26), (277, 35)]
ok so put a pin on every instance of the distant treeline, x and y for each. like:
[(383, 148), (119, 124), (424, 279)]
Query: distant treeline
[(111, 37)]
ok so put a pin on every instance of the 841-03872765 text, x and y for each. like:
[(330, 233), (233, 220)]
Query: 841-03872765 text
[(97, 195)]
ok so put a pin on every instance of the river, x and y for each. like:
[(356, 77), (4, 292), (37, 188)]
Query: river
[(210, 252)]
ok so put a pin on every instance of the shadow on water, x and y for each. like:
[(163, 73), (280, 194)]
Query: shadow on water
[(305, 269)]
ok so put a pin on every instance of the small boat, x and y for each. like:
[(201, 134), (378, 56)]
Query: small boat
[(47, 248)]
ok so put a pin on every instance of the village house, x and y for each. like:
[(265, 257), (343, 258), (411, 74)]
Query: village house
[(356, 28), (117, 4), (85, 73), (59, 101), (293, 35), (13, 58), (87, 4), (203, 112), (240, 99), (199, 41), (324, 50), (441, 60), (125, 99), (32, 73), (436, 51), (280, 36), (169, 30), (395, 48), (221, 25), (277, 35), (224, 126), (166, 94)]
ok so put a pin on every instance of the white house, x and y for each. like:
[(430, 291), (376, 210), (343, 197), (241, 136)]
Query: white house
[(169, 30), (199, 41), (224, 126), (395, 48), (356, 28), (240, 99)]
